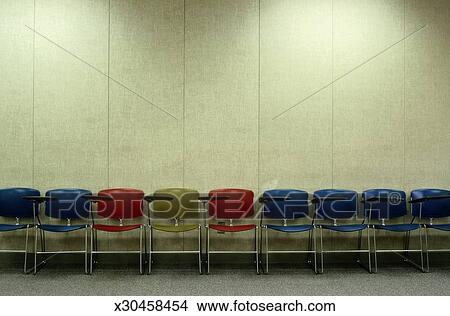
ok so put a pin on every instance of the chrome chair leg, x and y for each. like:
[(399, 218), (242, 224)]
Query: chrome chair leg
[(321, 249), (426, 249), (256, 250), (92, 252), (26, 250), (267, 249), (421, 249), (86, 250), (150, 241), (315, 249), (207, 249), (375, 250), (140, 249), (368, 249), (261, 238), (42, 234), (358, 254), (310, 246), (35, 249), (145, 246), (200, 249), (406, 245)]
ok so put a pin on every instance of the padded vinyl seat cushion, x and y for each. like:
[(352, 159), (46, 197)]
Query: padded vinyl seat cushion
[(116, 228), (346, 228), (443, 227), (232, 229), (175, 229), (11, 227), (398, 227), (291, 229), (61, 228)]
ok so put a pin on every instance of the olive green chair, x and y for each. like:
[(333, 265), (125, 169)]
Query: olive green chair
[(170, 211)]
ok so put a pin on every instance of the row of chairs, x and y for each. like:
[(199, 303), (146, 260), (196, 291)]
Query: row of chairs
[(179, 210)]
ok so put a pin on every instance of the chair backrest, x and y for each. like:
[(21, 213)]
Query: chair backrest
[(238, 203), (285, 204), (385, 204), (68, 204), (430, 208), (184, 202), (336, 204), (12, 203), (125, 203)]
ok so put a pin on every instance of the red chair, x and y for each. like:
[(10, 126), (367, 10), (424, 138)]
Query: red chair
[(228, 205), (119, 204)]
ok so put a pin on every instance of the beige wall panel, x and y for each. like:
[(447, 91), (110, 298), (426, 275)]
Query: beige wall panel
[(16, 93), (369, 125), (295, 64), (368, 110), (221, 94), (362, 29), (70, 119), (147, 43), (147, 50), (71, 96), (428, 94), (145, 144), (80, 26)]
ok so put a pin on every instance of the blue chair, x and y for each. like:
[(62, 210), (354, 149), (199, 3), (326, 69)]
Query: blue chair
[(287, 205), (382, 206), (68, 205), (333, 205), (13, 205), (429, 204)]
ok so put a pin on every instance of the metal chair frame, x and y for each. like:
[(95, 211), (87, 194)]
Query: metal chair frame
[(38, 266), (141, 250), (312, 240), (402, 253), (357, 251), (230, 223), (150, 199), (27, 228), (399, 252), (37, 227), (208, 251), (24, 251), (94, 240), (426, 227)]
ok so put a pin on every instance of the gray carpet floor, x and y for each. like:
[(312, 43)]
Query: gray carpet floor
[(335, 281)]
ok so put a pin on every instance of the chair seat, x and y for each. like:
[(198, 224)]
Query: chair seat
[(232, 229), (346, 228), (61, 228), (11, 227), (398, 227), (175, 229), (291, 228), (116, 228), (443, 227)]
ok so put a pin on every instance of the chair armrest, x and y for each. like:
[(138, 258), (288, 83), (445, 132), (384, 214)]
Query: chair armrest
[(39, 199), (430, 198)]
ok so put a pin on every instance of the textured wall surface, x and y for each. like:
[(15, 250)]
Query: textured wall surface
[(224, 93)]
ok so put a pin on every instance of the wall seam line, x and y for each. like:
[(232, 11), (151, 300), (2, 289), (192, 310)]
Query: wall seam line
[(184, 98), (404, 95), (33, 154), (183, 120), (109, 96), (259, 99), (332, 94)]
